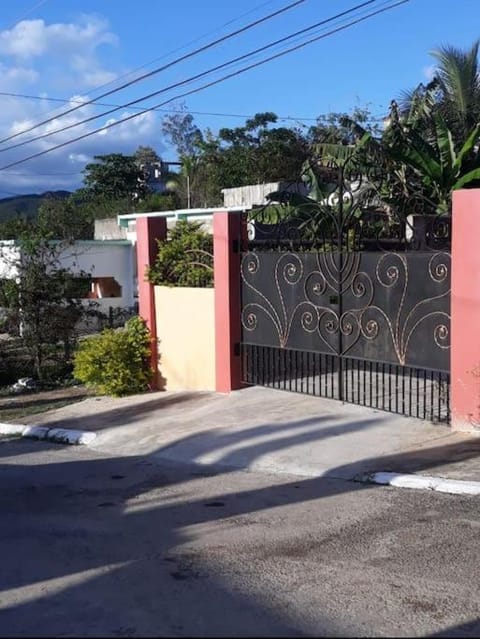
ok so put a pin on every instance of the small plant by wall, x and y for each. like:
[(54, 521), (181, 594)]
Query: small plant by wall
[(116, 362), (185, 258)]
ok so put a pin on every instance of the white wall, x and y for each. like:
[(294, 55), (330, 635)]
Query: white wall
[(97, 258), (255, 194), (108, 229), (104, 259)]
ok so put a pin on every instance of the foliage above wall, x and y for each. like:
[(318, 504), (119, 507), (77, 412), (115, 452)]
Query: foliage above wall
[(185, 259)]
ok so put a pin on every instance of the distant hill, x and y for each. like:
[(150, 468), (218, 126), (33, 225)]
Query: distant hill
[(26, 205)]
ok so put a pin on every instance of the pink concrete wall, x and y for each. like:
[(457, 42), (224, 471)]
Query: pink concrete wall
[(227, 232), (149, 230), (465, 310)]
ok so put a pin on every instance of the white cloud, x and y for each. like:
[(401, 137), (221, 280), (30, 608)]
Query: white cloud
[(20, 75), (51, 60), (34, 38), (123, 138), (79, 158), (89, 71), (97, 77)]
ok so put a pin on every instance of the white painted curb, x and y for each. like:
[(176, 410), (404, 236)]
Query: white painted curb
[(59, 435), (425, 482)]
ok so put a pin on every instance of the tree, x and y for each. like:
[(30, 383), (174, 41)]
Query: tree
[(256, 153), (11, 229), (454, 92), (43, 299), (159, 202), (335, 128), (145, 155), (66, 220), (458, 78), (113, 177), (250, 154), (181, 132), (440, 165), (100, 207)]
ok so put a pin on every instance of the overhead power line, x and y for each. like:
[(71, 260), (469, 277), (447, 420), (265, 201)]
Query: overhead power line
[(172, 52), (139, 108), (193, 78), (37, 5), (55, 173), (244, 116), (209, 84), (150, 74)]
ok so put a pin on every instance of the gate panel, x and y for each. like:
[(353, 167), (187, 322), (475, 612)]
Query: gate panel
[(343, 297), (390, 307)]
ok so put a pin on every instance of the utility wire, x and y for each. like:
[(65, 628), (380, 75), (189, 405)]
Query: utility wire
[(190, 42), (139, 108), (166, 55), (35, 174), (26, 13), (193, 78), (205, 86), (150, 74)]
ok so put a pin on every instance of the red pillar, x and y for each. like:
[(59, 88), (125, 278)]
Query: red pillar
[(149, 230), (227, 232), (465, 311)]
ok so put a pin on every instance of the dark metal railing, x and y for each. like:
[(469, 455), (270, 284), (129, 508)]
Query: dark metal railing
[(406, 390)]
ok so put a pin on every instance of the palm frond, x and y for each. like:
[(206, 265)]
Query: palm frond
[(458, 76)]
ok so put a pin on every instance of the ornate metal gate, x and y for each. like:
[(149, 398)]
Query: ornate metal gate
[(342, 300)]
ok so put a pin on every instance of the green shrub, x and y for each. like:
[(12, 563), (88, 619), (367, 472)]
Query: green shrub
[(185, 259), (116, 362)]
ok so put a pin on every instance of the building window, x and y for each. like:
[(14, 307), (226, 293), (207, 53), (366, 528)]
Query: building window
[(101, 287)]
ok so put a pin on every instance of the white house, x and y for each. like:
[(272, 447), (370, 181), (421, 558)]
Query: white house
[(109, 264)]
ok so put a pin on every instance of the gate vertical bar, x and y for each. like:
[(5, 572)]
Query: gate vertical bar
[(339, 283)]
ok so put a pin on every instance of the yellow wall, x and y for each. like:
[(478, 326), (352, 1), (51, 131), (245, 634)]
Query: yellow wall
[(186, 337)]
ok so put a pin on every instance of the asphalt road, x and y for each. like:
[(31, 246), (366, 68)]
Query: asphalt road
[(92, 545)]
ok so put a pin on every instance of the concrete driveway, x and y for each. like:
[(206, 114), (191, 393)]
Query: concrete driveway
[(271, 431)]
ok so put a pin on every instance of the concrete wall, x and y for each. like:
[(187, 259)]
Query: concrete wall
[(255, 194), (108, 229), (185, 325)]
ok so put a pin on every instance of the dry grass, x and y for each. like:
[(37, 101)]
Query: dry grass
[(15, 407)]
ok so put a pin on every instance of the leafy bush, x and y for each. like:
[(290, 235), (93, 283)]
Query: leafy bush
[(185, 259), (116, 362)]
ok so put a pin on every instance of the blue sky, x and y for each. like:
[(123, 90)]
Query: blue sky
[(68, 48)]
